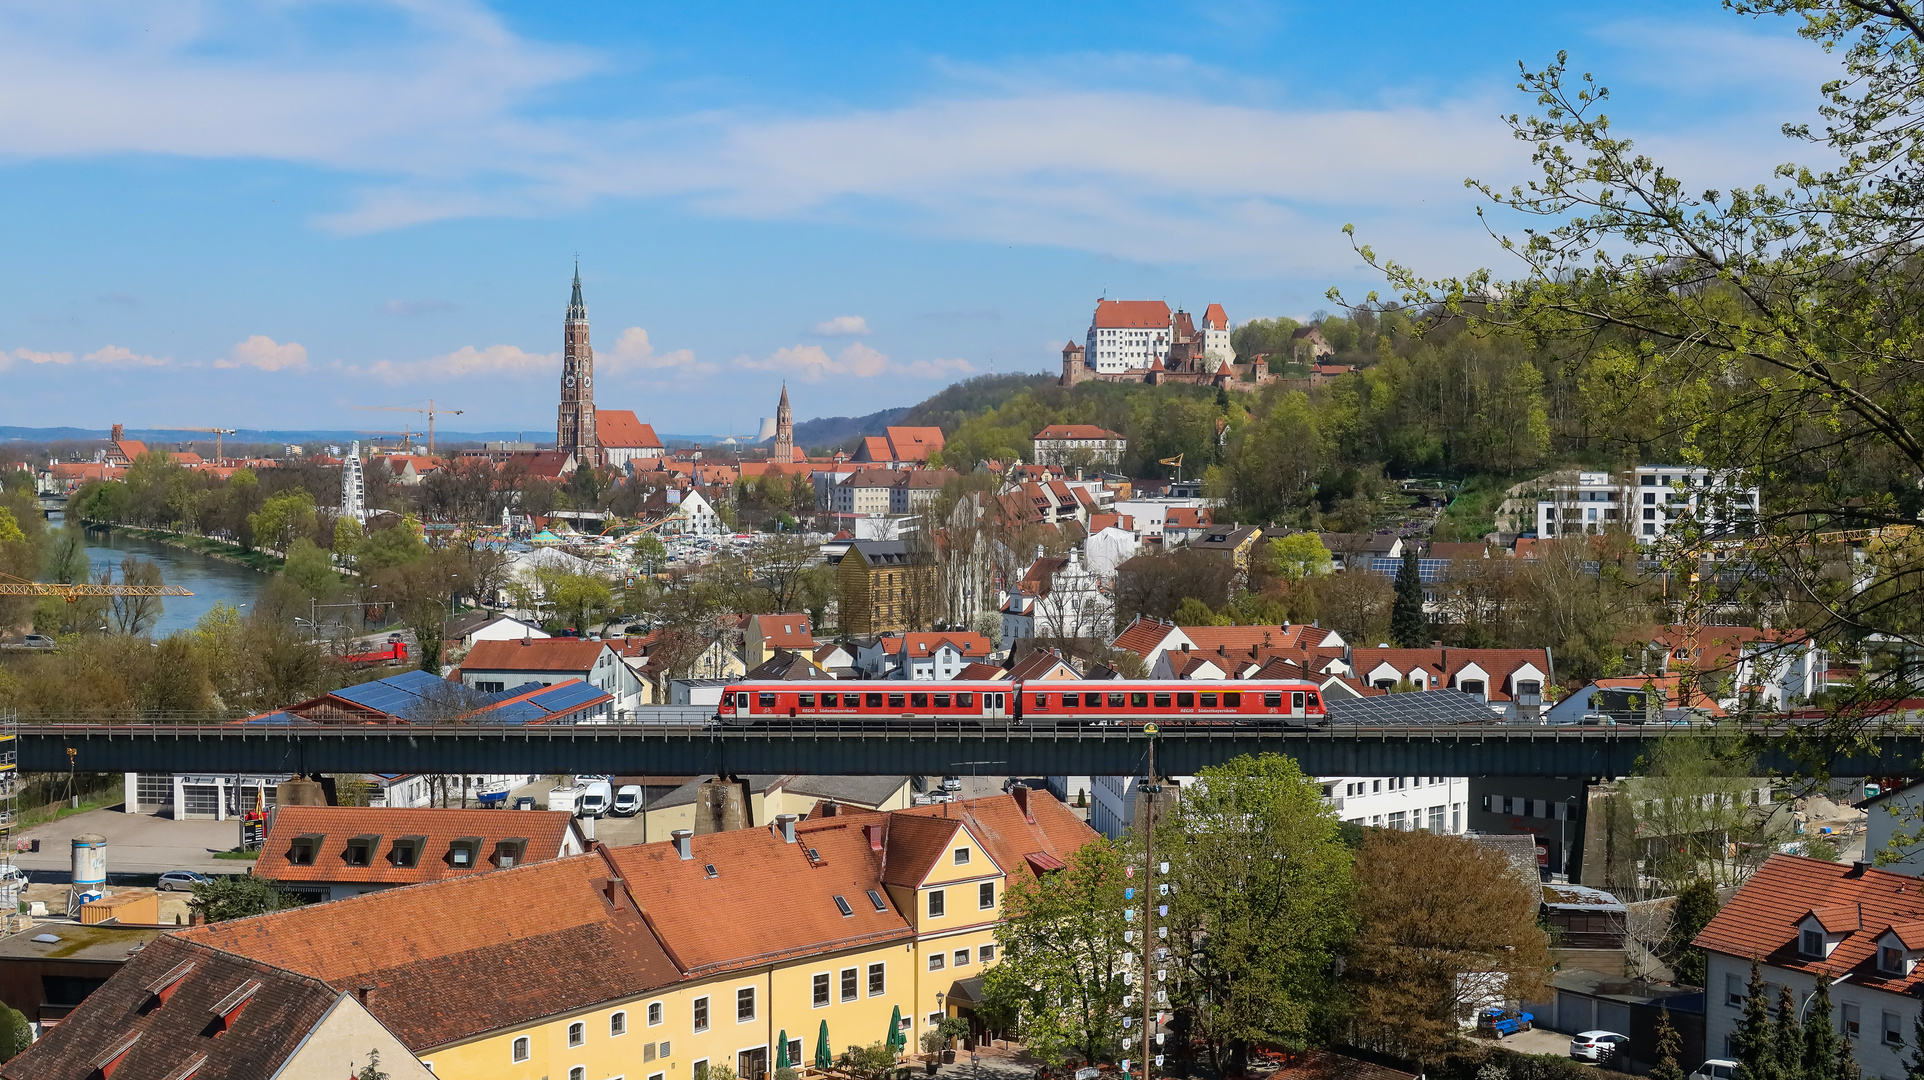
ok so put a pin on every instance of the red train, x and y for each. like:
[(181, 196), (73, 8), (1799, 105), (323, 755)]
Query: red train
[(1131, 701)]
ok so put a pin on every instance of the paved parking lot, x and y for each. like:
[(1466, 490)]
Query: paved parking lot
[(136, 844)]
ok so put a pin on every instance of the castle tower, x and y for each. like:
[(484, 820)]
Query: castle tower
[(1073, 368), (575, 424), (784, 448)]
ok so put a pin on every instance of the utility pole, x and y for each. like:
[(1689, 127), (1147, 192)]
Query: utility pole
[(1149, 892)]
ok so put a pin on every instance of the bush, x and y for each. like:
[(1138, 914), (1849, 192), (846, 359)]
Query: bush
[(15, 1033), (1498, 1063)]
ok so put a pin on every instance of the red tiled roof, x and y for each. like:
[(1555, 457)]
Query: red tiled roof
[(545, 832), (914, 845), (1185, 517), (1009, 838), (534, 654), (914, 443), (966, 642), (1132, 314), (980, 673), (1761, 919), (1215, 318), (1075, 431), (1143, 636), (785, 631), (876, 448), (456, 959), (1443, 665), (710, 924), (621, 428)]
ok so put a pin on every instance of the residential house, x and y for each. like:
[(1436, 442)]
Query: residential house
[(1802, 919), (1757, 668), (494, 666), (869, 492), (937, 657), (624, 438), (1078, 444), (1181, 524), (1057, 597), (1635, 697), (693, 515), (1151, 638), (885, 586), (484, 975), (180, 1009), (1647, 501), (334, 852), (766, 633), (1357, 551), (917, 489), (465, 630), (785, 666), (707, 804), (1231, 542), (1509, 679)]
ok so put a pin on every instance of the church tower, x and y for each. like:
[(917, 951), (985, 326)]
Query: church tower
[(575, 425), (784, 448)]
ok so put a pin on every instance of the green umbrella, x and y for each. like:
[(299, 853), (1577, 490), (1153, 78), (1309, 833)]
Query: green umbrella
[(896, 1040), (781, 1054), (823, 1059)]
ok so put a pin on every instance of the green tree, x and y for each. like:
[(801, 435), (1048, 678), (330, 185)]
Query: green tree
[(1298, 556), (238, 896), (578, 598), (1062, 945), (134, 614), (311, 567), (1696, 904), (1193, 612), (1407, 623), (347, 536), (1846, 1066), (1265, 888), (396, 545), (651, 555), (283, 518), (1820, 1034), (1752, 1040), (16, 1034), (1787, 1037), (372, 1070), (1669, 1045)]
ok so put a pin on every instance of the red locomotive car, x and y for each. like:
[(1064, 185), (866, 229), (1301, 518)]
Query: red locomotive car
[(1060, 703)]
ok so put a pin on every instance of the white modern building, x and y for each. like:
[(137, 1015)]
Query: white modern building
[(1436, 803), (1057, 444), (1646, 501), (1127, 334)]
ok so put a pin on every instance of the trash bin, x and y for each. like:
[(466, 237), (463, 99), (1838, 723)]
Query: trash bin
[(36, 846)]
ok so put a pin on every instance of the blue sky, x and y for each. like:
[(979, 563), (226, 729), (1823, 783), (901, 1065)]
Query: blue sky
[(262, 214)]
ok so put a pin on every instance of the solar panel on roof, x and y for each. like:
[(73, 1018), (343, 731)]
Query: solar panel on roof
[(567, 696), (521, 712), (1423, 707)]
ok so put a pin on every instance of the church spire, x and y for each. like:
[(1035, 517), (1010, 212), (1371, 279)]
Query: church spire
[(577, 309), (784, 448)]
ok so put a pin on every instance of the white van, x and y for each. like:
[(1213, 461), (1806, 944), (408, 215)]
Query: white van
[(595, 799), (1716, 1069), (627, 801)]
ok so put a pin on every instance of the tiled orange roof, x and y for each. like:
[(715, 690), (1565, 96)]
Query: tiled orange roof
[(998, 824), (1761, 919), (533, 654), (1132, 314), (1215, 318), (1142, 636), (966, 642), (455, 959), (719, 923), (545, 832), (914, 443), (980, 673), (914, 845), (621, 428), (785, 631), (1443, 665)]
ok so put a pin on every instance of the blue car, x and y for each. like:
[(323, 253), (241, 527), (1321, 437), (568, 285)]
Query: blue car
[(1501, 1022)]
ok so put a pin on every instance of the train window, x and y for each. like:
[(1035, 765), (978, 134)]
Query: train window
[(966, 701), (1185, 700), (1296, 702), (1233, 699), (741, 701), (1209, 701), (895, 701), (1272, 699), (1042, 701), (1069, 701), (1162, 701), (874, 701), (1138, 700), (918, 701), (766, 701), (808, 701), (1116, 699), (941, 701), (1315, 702)]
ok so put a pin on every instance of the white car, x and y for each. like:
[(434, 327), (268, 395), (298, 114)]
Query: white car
[(1597, 1045), (1716, 1069)]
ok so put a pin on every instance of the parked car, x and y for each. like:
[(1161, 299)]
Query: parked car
[(595, 800), (1597, 1045), (38, 641), (627, 801), (12, 875), (183, 880), (1715, 1069), (524, 802), (1501, 1022)]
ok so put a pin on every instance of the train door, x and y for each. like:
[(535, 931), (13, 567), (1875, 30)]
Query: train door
[(1297, 703), (995, 705)]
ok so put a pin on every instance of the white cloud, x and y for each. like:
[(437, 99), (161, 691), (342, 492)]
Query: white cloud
[(510, 361), (633, 350), (263, 352), (843, 326), (106, 356), (812, 363)]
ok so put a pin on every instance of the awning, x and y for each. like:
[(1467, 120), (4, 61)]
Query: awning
[(966, 992), (1042, 861)]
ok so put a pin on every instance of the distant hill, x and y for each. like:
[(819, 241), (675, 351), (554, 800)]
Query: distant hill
[(959, 401), (838, 431)]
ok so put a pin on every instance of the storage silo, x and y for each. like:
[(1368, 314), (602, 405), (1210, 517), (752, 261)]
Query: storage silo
[(89, 868)]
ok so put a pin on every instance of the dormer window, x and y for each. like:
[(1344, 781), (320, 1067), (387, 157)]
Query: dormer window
[(512, 851), (1891, 960), (360, 849), (464, 852), (305, 849), (228, 1009), (165, 986), (406, 854), (1812, 942)]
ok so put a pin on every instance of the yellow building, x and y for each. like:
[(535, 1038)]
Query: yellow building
[(763, 797), (885, 586), (657, 961)]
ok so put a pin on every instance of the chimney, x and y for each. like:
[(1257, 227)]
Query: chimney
[(785, 827), (684, 843), (362, 991), (827, 808), (526, 641), (1021, 793), (874, 834), (611, 889)]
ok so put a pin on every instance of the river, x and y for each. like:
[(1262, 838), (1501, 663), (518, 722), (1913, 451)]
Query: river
[(212, 581)]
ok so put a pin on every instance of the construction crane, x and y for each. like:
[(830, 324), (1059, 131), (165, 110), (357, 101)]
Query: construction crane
[(219, 433), (16, 586), (431, 410), (1176, 461), (405, 434)]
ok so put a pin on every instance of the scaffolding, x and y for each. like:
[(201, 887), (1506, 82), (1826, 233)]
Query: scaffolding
[(12, 880)]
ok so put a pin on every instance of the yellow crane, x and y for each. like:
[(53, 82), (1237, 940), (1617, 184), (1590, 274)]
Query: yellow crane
[(1176, 461), (431, 410), (15, 586), (219, 434)]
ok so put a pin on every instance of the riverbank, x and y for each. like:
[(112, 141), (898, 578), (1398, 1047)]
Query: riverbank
[(262, 561)]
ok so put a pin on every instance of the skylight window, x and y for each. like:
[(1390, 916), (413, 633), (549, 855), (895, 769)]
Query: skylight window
[(841, 902), (710, 870), (876, 899)]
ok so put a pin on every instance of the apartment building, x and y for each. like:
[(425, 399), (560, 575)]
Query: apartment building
[(1646, 501)]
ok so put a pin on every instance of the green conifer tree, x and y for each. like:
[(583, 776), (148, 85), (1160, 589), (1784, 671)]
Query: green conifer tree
[(1914, 1068), (1820, 1034), (1787, 1038), (1846, 1067), (1669, 1045), (1751, 1042), (1407, 624)]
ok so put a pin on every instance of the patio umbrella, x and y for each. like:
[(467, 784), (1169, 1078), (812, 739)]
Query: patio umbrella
[(823, 1059), (781, 1052), (896, 1040)]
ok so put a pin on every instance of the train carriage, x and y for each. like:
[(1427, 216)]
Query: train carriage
[(1055, 703)]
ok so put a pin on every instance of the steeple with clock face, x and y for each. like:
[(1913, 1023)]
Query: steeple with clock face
[(575, 422)]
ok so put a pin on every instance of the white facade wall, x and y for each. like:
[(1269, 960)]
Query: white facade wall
[(1874, 1012), (1899, 812), (1647, 501), (1057, 451), (1437, 803), (1216, 347), (1112, 349)]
